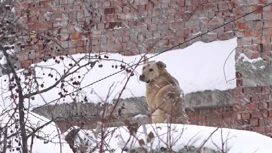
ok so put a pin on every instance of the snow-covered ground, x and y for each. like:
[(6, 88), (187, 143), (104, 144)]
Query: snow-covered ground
[(179, 136), (45, 140), (201, 66)]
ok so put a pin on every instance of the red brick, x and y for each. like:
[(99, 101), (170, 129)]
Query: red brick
[(267, 24), (237, 91), (210, 7), (257, 8), (245, 116), (225, 36), (247, 33), (181, 3), (239, 82), (228, 115), (256, 40), (266, 39), (262, 1), (256, 33), (254, 98), (112, 25), (80, 49), (226, 5), (264, 113), (149, 6), (265, 122), (256, 114), (241, 99), (254, 122), (264, 97), (110, 10), (241, 25), (263, 105), (96, 48), (255, 56), (257, 89), (141, 8), (266, 56), (252, 106), (110, 17), (214, 116), (75, 36), (266, 47), (216, 21), (269, 103), (247, 90), (246, 41), (269, 112), (117, 3), (200, 118), (177, 25), (27, 63), (266, 89), (267, 15), (25, 5), (250, 49), (259, 129), (38, 26), (238, 74), (267, 32)]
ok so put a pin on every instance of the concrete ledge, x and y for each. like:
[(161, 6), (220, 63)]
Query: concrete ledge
[(131, 106)]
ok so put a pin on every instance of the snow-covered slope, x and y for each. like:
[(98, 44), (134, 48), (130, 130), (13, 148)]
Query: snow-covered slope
[(178, 137)]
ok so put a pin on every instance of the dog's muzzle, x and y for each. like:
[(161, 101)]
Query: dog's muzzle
[(142, 78)]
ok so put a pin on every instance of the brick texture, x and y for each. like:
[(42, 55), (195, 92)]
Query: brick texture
[(143, 21), (254, 114), (54, 28)]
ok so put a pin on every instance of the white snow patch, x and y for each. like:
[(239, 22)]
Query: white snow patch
[(199, 67), (244, 58)]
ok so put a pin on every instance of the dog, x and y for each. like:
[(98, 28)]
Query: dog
[(164, 96)]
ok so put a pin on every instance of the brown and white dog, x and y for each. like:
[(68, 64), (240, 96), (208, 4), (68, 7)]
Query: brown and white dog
[(164, 97)]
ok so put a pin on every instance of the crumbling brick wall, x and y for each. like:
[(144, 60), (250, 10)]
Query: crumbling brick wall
[(252, 96), (129, 27)]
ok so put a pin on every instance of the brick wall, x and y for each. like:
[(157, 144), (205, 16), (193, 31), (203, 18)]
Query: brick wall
[(253, 108), (70, 26), (212, 116), (208, 116), (54, 27), (252, 99)]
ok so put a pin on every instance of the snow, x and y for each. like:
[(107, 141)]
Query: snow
[(44, 139), (199, 67), (244, 58), (234, 141)]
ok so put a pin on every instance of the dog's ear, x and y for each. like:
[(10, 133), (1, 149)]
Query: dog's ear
[(160, 64), (145, 60)]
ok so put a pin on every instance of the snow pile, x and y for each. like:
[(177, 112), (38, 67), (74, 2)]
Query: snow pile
[(199, 67), (176, 137)]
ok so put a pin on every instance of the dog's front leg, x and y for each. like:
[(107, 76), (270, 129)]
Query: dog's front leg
[(158, 116)]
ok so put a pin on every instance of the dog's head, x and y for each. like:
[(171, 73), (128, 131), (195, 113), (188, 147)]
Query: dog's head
[(151, 70)]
